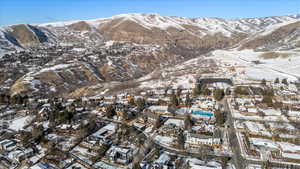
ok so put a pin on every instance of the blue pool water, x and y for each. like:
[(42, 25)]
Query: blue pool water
[(202, 113)]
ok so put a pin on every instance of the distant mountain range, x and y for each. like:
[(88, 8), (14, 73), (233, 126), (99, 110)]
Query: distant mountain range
[(126, 47)]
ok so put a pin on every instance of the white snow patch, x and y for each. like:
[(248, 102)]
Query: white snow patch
[(19, 123)]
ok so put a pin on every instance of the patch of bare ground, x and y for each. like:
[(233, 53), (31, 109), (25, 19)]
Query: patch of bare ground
[(274, 55), (80, 26), (84, 91), (123, 86), (18, 87)]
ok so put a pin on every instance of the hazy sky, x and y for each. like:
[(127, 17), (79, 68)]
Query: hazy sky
[(42, 11)]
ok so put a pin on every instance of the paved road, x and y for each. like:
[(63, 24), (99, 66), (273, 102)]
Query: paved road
[(237, 157)]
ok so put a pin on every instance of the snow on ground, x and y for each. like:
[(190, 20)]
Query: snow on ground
[(285, 147), (264, 143), (176, 122), (289, 147), (184, 81), (294, 113), (19, 123), (109, 43), (56, 67), (271, 112), (151, 20), (76, 165), (291, 155), (79, 49), (281, 126), (199, 164), (269, 69), (282, 135), (272, 28), (281, 118), (255, 127), (164, 140), (102, 164), (254, 166)]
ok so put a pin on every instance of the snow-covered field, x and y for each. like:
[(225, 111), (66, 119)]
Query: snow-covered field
[(268, 69), (184, 81)]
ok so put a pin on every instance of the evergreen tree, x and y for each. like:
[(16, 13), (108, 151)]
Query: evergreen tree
[(268, 97), (180, 140), (188, 123), (157, 123), (179, 90), (220, 120), (276, 80), (131, 101), (140, 103), (172, 109), (196, 91), (174, 101), (110, 111), (284, 81), (4, 99), (188, 100), (263, 82), (206, 92), (219, 94), (38, 133)]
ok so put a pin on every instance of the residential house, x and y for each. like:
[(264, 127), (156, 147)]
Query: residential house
[(121, 155), (197, 140), (8, 145)]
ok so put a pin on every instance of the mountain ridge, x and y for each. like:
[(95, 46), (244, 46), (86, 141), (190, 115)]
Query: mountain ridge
[(67, 57), (297, 15)]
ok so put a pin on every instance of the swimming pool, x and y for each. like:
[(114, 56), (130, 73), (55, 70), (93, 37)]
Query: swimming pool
[(202, 113)]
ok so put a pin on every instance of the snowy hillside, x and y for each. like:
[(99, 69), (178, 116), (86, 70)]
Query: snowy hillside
[(76, 58)]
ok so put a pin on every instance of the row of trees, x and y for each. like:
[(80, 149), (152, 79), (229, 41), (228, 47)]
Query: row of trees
[(218, 94), (283, 81), (61, 114), (201, 91), (268, 97), (276, 81), (36, 135), (15, 99)]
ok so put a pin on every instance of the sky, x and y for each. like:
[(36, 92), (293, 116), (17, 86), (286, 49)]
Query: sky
[(44, 11)]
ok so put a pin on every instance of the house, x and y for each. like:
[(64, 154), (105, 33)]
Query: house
[(9, 114), (139, 126), (43, 165), (152, 100), (159, 109), (7, 145), (170, 130), (121, 155), (103, 135), (196, 140), (163, 159), (148, 117), (207, 104), (21, 154), (161, 163), (5, 163), (76, 166)]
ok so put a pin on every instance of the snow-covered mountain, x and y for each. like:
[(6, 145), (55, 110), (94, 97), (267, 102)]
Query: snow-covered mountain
[(152, 28), (70, 57)]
